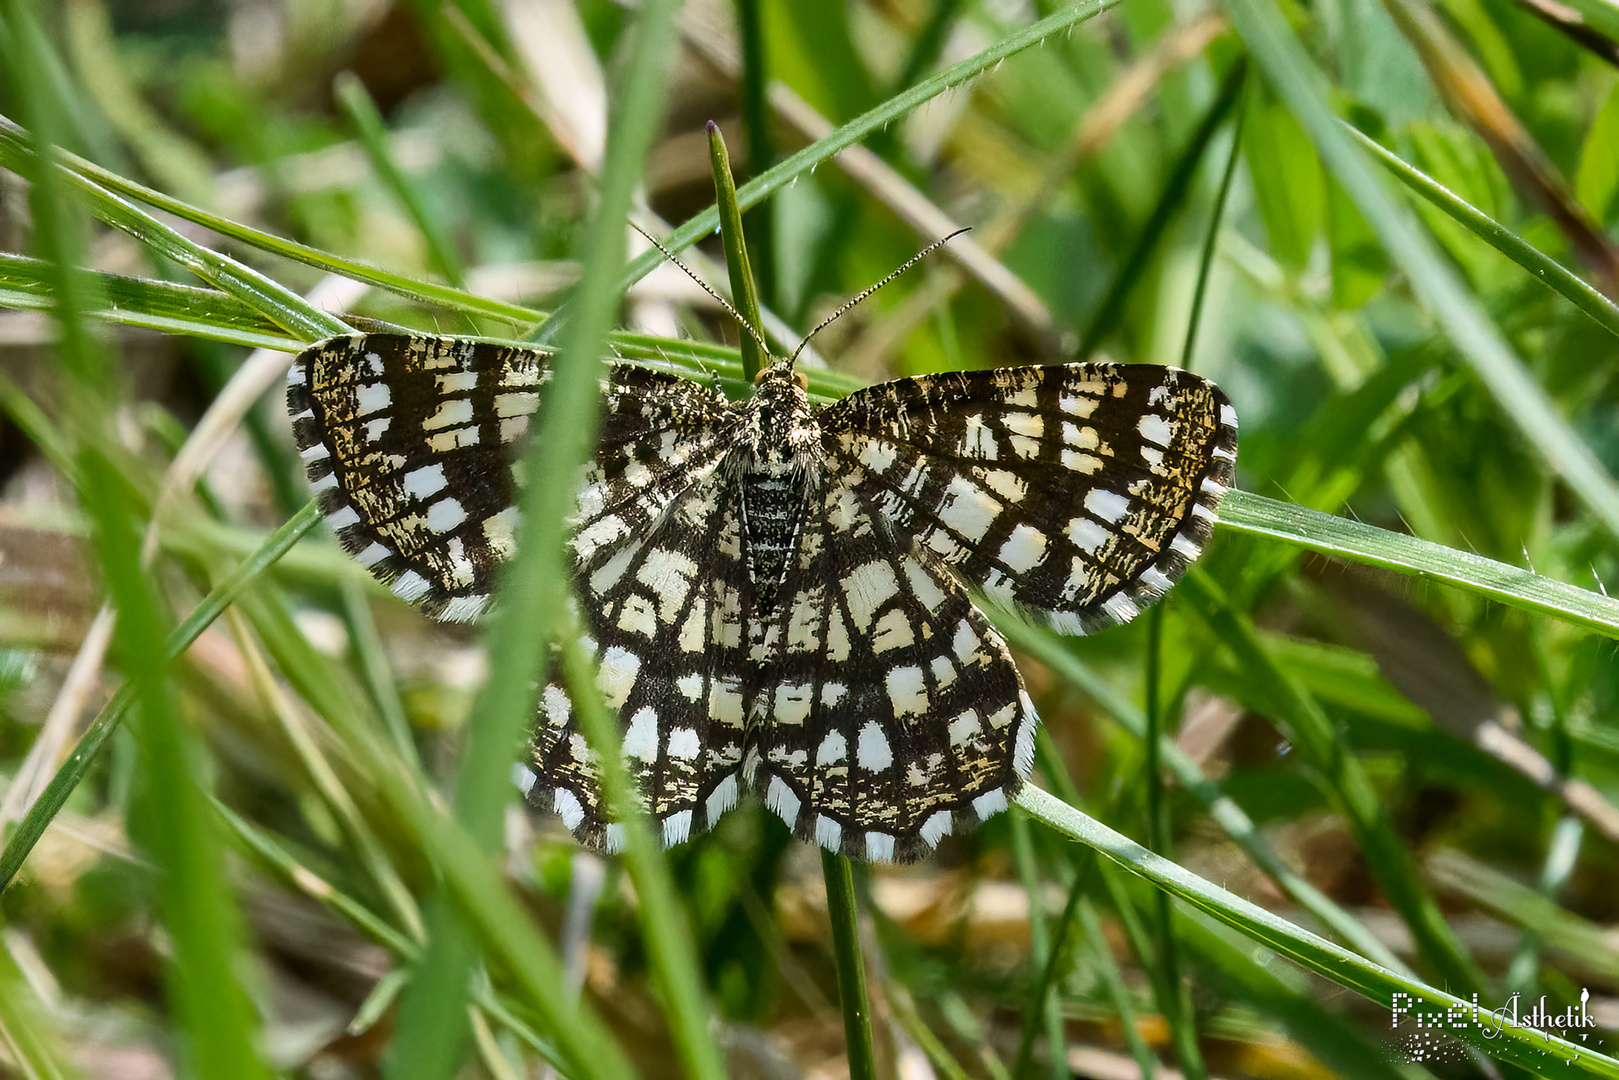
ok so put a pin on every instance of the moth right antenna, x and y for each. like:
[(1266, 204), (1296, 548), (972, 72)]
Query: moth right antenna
[(912, 261), (764, 346)]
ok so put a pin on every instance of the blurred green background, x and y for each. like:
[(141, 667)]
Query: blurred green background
[(241, 877)]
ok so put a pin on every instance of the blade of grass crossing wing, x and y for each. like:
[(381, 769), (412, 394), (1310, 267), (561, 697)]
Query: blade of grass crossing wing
[(505, 707)]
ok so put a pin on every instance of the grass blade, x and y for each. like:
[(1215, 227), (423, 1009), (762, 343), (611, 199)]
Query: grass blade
[(1256, 515)]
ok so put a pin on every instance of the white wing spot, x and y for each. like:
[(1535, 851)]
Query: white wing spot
[(1155, 429), (641, 738), (451, 413), (907, 691), (722, 798), (445, 515), (566, 806), (990, 803), (792, 703), (1110, 506), (616, 678), (1024, 549), (834, 748), (677, 828), (936, 828), (372, 398), (893, 631), (828, 833), (684, 744), (868, 588), (780, 799), (874, 754), (967, 510), (410, 586)]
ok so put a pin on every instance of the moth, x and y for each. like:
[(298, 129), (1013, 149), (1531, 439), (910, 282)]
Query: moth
[(780, 596)]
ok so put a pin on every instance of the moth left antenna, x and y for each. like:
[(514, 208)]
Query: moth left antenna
[(912, 261), (701, 284)]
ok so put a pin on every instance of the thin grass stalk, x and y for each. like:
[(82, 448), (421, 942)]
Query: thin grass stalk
[(1036, 1011), (1229, 963), (374, 667), (737, 263), (844, 911), (275, 857), (1043, 1008), (1110, 312), (1113, 982), (1542, 267), (1206, 257), (26, 1028), (1176, 1003)]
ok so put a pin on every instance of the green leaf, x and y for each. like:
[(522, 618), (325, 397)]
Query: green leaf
[(1286, 175), (1598, 176)]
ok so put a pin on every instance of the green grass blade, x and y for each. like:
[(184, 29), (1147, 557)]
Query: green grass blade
[(1052, 651), (276, 302), (160, 305), (1110, 312), (1542, 267), (736, 252), (840, 902), (13, 141), (362, 113), (1531, 1049), (1258, 516)]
